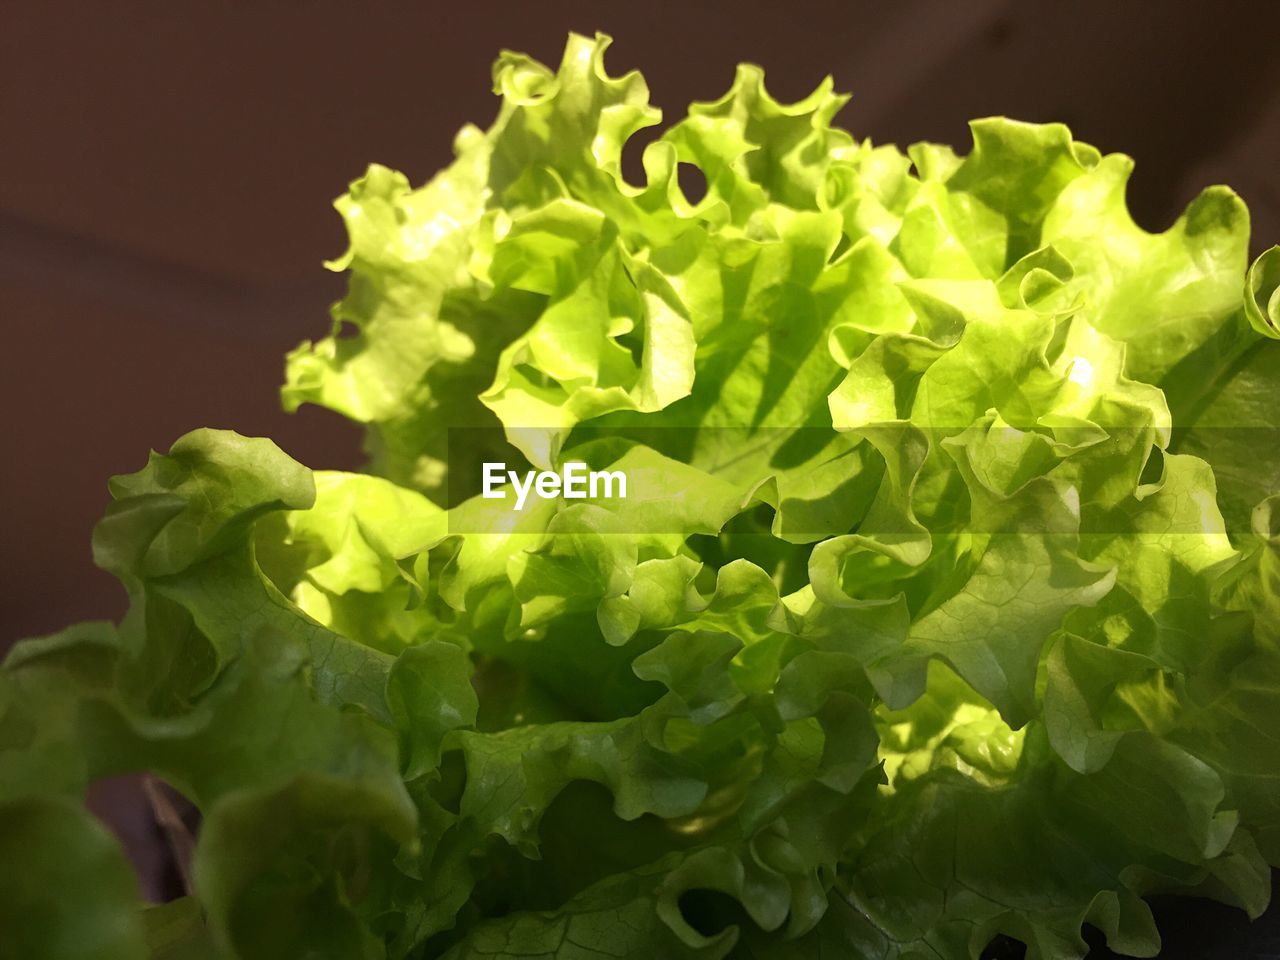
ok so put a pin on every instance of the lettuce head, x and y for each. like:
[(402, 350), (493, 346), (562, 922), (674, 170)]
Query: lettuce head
[(943, 604)]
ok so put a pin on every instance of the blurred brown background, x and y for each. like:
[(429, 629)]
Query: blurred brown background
[(166, 171)]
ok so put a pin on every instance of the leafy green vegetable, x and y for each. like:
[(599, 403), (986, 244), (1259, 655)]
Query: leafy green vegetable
[(944, 601)]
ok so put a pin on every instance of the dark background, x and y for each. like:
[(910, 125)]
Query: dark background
[(166, 172)]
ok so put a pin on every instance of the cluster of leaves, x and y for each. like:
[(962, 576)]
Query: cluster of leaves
[(945, 604)]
